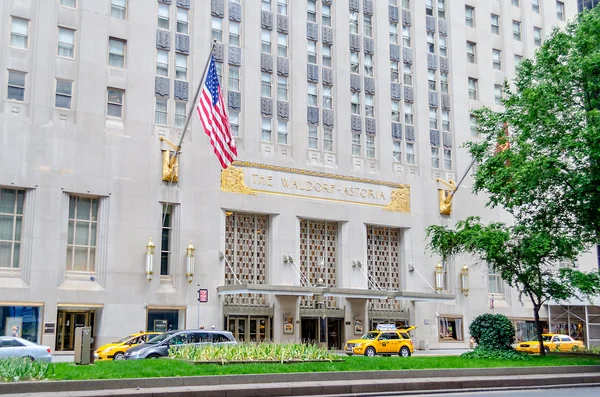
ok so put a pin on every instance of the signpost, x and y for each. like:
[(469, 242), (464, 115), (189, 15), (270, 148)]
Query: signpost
[(202, 298)]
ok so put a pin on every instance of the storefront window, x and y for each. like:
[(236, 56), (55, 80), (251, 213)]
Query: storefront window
[(526, 330), (451, 329), (163, 320), (20, 321)]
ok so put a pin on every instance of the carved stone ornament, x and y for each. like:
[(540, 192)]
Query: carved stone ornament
[(163, 40), (407, 55), (161, 86), (217, 8), (312, 31), (400, 200), (327, 35), (312, 73), (394, 14), (180, 90), (266, 20), (170, 167), (232, 180), (283, 66), (235, 11), (235, 56), (445, 196), (394, 52), (266, 106), (218, 52), (396, 91), (406, 17), (443, 27), (182, 43), (432, 61), (282, 23), (327, 76), (183, 3), (396, 130), (354, 5), (354, 42), (283, 110), (430, 24), (368, 7), (369, 45)]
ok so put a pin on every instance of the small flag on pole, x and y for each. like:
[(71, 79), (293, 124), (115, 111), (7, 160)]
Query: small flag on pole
[(213, 116)]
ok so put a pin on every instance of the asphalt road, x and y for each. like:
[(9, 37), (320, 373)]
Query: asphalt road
[(558, 392)]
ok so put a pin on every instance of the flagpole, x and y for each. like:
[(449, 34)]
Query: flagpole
[(189, 115)]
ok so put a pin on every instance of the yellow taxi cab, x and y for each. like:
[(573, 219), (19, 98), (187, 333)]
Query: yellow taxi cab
[(116, 350), (386, 340), (552, 342)]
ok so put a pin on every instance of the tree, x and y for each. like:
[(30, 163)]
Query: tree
[(526, 257)]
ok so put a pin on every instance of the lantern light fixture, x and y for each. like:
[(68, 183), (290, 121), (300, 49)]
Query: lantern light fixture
[(464, 280), (439, 277), (189, 258), (150, 259)]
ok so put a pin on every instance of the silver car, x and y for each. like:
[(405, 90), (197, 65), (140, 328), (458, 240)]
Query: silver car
[(11, 346)]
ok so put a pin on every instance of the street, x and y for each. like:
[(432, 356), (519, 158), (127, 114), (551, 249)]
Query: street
[(554, 392)]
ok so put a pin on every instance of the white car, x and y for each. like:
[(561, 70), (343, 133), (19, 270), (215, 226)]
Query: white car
[(11, 346)]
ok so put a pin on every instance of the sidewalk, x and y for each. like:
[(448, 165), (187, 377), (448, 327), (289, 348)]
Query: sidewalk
[(429, 353)]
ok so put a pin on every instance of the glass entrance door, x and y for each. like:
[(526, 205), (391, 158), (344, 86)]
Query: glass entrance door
[(67, 322), (258, 329), (237, 326)]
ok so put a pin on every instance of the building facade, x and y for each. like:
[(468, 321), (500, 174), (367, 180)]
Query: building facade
[(346, 114)]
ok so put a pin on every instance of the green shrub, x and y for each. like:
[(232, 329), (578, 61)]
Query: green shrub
[(18, 369), (493, 332), (511, 354)]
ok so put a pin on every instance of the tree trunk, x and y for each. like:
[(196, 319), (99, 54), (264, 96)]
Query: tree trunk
[(538, 325)]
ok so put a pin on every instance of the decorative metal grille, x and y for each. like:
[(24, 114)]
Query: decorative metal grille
[(383, 263), (318, 240), (246, 253)]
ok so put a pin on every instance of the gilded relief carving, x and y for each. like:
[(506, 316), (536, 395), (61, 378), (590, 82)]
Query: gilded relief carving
[(232, 180), (400, 200), (446, 195), (170, 167)]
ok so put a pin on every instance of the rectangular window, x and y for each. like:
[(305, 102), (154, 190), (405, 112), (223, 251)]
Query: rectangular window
[(395, 111), (19, 35), (82, 234), (395, 72), (406, 41), (406, 4), (282, 88), (518, 60), (495, 282), (370, 146), (537, 36), (447, 159), (407, 74), (182, 21), (265, 38), (166, 239), (282, 134), (393, 33), (470, 16), (266, 5), (495, 24), (265, 85), (266, 130), (328, 140), (430, 43), (560, 10), (327, 97), (181, 67), (443, 45), (496, 59), (282, 7), (451, 328), (282, 44), (497, 94), (410, 153), (327, 56), (397, 150), (472, 88), (431, 81), (313, 137), (368, 25), (433, 118), (444, 82), (234, 33), (326, 15), (312, 52), (16, 86), (354, 22), (515, 3), (408, 113), (64, 93), (118, 9), (473, 125), (180, 114), (234, 78), (435, 157), (355, 103), (116, 52), (162, 63), (393, 2), (535, 6), (69, 3), (311, 11), (234, 123), (368, 65), (354, 62), (356, 144), (312, 95), (160, 115), (516, 30), (114, 103), (11, 221), (441, 9), (369, 105), (217, 29), (445, 120), (163, 16), (429, 7), (66, 42), (471, 55)]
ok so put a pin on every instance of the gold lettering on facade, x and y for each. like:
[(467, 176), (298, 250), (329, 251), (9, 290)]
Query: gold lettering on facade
[(400, 200), (232, 180)]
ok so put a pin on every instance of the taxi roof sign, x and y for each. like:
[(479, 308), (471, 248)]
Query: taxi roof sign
[(386, 327)]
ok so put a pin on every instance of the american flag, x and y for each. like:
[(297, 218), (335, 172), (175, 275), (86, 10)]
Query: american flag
[(213, 115)]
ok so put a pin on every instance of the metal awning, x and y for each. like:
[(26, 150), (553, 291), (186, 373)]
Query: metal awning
[(424, 296), (267, 289)]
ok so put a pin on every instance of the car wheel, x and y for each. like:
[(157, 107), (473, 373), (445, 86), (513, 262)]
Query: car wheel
[(153, 356), (404, 352), (575, 348), (119, 356), (546, 350), (29, 358), (370, 352)]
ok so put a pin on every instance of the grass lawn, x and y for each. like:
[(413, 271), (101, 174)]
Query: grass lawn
[(168, 367)]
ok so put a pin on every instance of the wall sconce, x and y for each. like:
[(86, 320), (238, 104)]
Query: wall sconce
[(439, 277), (189, 260), (150, 259), (464, 280)]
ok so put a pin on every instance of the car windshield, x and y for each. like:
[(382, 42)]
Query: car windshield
[(125, 339), (370, 335), (160, 338), (545, 338)]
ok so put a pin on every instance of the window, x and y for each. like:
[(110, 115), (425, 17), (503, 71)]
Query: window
[(407, 72), (327, 56), (181, 67), (16, 86), (494, 281), (451, 328), (163, 16), (162, 63), (312, 94), (160, 115), (395, 111), (430, 43), (369, 105), (234, 33), (313, 137), (368, 65), (535, 6), (393, 2), (69, 3), (431, 80), (66, 42), (282, 88), (472, 88), (116, 53), (166, 236), (312, 52), (266, 130), (406, 4), (537, 36), (447, 159), (516, 30), (327, 97), (266, 5), (393, 33), (368, 25), (442, 46), (282, 44), (11, 220), (495, 24), (435, 157), (326, 15), (370, 146), (234, 123), (356, 144), (118, 9), (19, 36), (81, 238), (441, 9), (433, 118), (265, 85), (444, 82), (217, 29), (397, 150), (496, 59), (354, 62), (515, 3), (265, 46), (429, 7), (282, 132), (410, 153), (395, 72), (328, 141), (406, 36), (354, 22), (473, 125), (445, 120), (282, 7), (497, 94), (219, 67), (182, 20), (234, 78), (518, 60), (471, 52), (470, 16), (180, 114), (64, 93), (114, 104), (311, 11), (355, 103)]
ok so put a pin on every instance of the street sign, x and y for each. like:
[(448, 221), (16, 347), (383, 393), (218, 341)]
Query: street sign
[(203, 295)]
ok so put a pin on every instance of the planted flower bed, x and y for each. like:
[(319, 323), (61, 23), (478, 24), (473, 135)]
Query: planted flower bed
[(253, 353), (20, 369)]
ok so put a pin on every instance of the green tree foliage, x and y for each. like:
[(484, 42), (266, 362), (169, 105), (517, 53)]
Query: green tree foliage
[(493, 332)]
